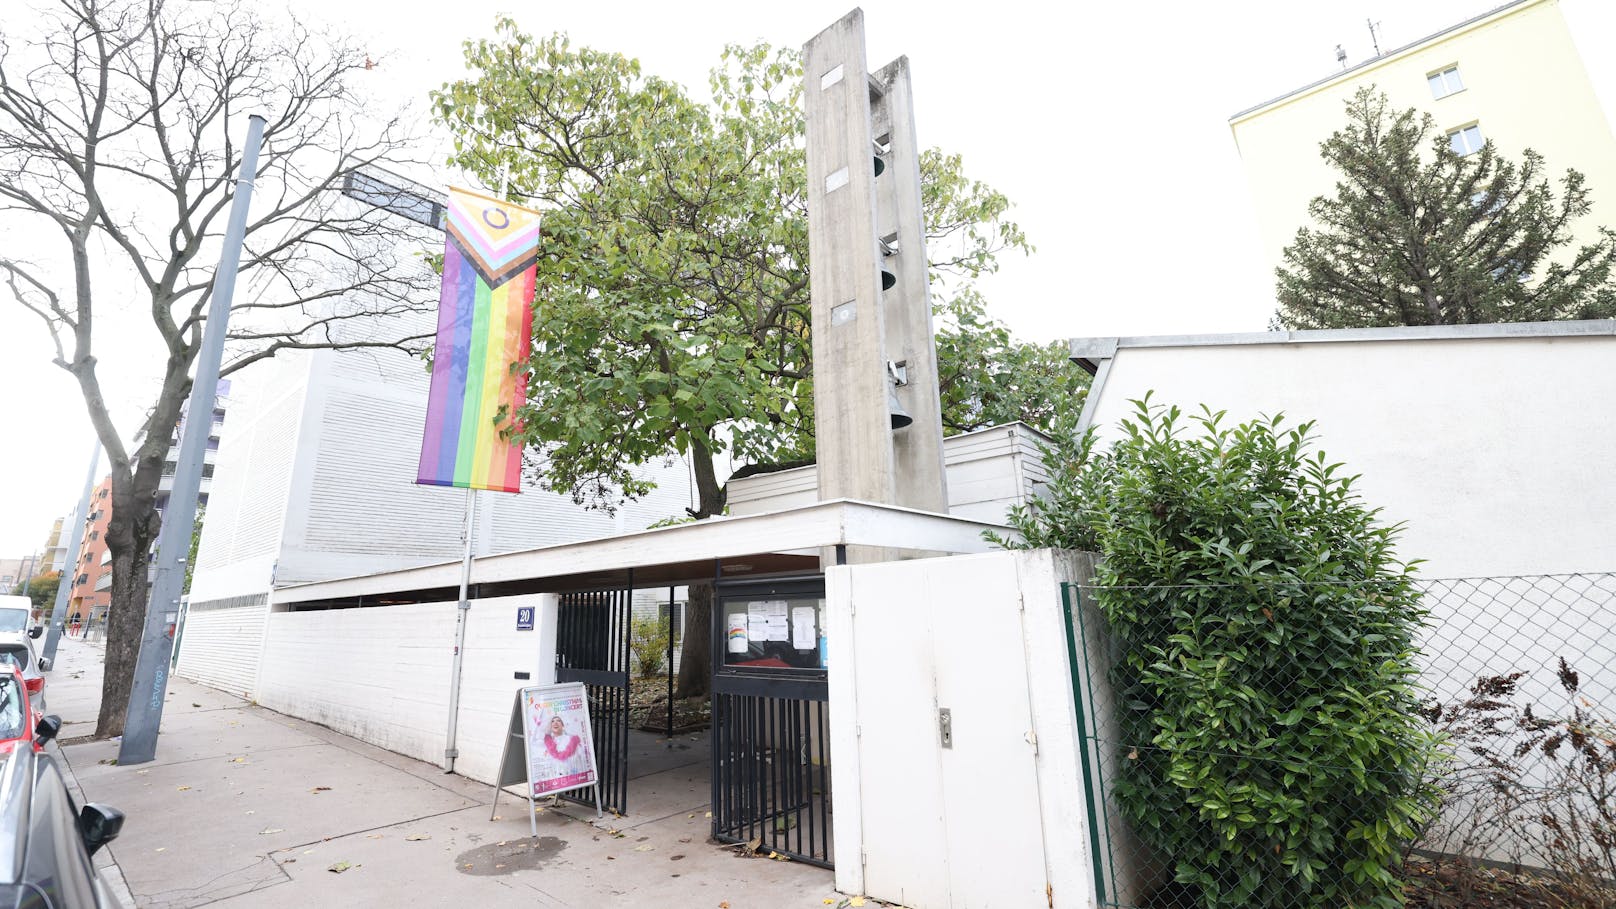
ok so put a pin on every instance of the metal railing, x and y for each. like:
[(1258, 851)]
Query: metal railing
[(1514, 774)]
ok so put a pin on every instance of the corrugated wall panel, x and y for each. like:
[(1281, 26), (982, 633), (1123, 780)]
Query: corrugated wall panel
[(220, 647)]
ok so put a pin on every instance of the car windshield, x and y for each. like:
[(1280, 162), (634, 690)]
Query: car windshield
[(13, 620), (11, 701), (14, 655)]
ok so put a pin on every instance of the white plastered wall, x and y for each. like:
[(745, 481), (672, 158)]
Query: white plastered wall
[(388, 684), (1498, 453)]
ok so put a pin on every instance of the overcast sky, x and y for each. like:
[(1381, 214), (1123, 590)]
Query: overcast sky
[(1106, 125)]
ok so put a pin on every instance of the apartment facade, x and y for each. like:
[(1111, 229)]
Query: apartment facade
[(91, 576), (1512, 76)]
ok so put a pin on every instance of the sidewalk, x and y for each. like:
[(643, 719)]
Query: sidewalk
[(245, 807)]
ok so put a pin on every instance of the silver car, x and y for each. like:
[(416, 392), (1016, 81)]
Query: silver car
[(17, 649)]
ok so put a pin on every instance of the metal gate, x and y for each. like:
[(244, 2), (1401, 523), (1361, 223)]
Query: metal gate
[(592, 646), (770, 734)]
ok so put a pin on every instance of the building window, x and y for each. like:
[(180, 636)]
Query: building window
[(1466, 139), (1445, 82)]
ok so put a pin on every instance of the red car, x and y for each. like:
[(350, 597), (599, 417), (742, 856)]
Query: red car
[(18, 718)]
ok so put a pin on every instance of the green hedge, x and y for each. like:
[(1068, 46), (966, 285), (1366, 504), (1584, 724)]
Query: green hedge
[(1270, 746)]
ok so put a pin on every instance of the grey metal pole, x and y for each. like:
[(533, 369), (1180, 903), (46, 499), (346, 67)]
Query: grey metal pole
[(451, 748), (70, 569), (174, 540)]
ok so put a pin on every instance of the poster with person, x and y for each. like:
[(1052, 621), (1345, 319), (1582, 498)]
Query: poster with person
[(560, 747)]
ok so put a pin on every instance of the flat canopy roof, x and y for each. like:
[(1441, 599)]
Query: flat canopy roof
[(754, 545)]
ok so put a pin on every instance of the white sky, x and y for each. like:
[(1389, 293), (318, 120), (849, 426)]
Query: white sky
[(1106, 125)]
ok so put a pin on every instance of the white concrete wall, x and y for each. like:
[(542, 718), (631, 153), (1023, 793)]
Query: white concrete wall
[(998, 818), (388, 682), (1499, 454)]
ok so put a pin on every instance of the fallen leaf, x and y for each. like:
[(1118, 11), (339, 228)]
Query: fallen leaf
[(268, 830), (182, 788), (724, 905), (498, 867), (288, 861), (417, 837), (162, 848), (646, 848), (143, 772), (373, 836), (339, 867), (709, 814), (195, 704), (250, 811), (496, 817), (238, 760), (828, 900), (321, 789), (856, 901)]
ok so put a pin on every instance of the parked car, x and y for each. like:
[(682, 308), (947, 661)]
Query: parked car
[(45, 839), (15, 613), (17, 649), (18, 715)]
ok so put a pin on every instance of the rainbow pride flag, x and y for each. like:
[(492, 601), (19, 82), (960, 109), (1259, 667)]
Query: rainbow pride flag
[(485, 321)]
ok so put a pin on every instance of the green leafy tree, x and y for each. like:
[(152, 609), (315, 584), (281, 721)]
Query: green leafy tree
[(1271, 749), (1417, 234), (986, 377), (672, 293), (672, 302), (41, 590)]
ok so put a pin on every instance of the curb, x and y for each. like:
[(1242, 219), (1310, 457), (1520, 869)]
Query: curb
[(105, 862)]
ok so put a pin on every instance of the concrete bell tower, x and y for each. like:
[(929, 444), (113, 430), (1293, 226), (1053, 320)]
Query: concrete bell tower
[(877, 416)]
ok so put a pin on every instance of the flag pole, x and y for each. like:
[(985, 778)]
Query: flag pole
[(463, 607), (451, 751)]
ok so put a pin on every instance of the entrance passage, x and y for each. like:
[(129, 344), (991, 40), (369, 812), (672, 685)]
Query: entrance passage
[(770, 736), (592, 646)]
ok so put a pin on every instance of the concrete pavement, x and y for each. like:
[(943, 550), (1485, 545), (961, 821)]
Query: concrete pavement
[(245, 807)]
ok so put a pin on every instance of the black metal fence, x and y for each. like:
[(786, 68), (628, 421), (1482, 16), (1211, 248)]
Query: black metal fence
[(593, 647), (1491, 778), (771, 756)]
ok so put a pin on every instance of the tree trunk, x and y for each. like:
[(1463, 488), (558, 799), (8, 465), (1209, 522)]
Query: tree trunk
[(696, 655), (126, 619), (131, 530)]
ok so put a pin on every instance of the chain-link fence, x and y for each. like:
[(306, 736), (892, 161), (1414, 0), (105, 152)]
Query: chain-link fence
[(1233, 761)]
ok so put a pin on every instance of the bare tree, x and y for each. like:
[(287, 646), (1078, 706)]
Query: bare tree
[(116, 123)]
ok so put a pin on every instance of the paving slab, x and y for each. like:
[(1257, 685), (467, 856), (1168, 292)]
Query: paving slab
[(245, 808)]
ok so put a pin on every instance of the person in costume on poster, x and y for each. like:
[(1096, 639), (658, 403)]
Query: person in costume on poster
[(567, 751), (559, 745)]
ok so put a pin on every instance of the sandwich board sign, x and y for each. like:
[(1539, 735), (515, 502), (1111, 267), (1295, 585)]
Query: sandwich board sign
[(550, 745)]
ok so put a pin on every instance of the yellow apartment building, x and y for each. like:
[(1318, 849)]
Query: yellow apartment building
[(1511, 75)]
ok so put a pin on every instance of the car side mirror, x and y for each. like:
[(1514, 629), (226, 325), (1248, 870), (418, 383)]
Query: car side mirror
[(36, 631), (98, 826), (46, 729), (44, 664)]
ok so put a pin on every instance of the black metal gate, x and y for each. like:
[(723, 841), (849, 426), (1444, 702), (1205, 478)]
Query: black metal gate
[(770, 735), (592, 646)]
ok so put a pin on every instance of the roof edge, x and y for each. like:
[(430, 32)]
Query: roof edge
[(1383, 58), (1081, 348)]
